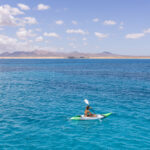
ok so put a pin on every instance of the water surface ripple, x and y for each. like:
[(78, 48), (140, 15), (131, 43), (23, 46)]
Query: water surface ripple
[(37, 98)]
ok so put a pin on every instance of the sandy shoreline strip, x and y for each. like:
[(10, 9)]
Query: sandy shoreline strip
[(122, 57), (119, 57)]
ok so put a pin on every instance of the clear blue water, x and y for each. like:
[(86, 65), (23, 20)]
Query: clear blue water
[(37, 98)]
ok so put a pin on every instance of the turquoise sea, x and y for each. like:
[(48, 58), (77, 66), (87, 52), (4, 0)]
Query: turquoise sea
[(37, 98)]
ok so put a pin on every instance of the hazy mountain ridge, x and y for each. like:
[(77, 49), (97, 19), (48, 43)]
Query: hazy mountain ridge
[(40, 53)]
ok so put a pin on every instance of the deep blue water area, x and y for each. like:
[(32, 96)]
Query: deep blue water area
[(37, 98)]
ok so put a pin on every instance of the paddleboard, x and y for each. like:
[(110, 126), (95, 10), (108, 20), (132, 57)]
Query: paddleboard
[(98, 116)]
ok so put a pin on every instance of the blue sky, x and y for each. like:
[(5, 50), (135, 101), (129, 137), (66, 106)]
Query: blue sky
[(117, 26)]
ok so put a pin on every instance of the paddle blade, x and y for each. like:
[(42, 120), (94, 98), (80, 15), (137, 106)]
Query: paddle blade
[(86, 102)]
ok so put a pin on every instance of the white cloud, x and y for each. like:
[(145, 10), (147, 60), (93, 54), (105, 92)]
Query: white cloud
[(52, 34), (65, 9), (5, 39), (29, 20), (147, 30), (101, 35), (121, 26), (26, 20), (7, 9), (8, 44), (47, 48), (42, 7), (121, 23), (59, 22), (38, 29), (23, 6), (74, 22), (134, 35), (138, 35), (7, 15), (84, 39), (61, 48), (95, 20), (71, 39), (76, 31), (23, 34), (73, 45), (85, 43), (39, 39), (109, 22)]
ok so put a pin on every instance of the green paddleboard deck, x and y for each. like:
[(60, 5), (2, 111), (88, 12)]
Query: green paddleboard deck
[(82, 117)]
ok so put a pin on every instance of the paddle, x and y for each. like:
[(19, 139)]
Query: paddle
[(86, 102)]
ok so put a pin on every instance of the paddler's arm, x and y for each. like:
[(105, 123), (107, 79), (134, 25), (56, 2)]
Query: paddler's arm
[(85, 113)]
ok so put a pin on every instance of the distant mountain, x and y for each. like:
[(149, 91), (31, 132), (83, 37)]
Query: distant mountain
[(40, 53), (105, 53), (36, 53)]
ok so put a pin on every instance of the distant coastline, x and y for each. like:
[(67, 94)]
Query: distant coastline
[(40, 54), (132, 57)]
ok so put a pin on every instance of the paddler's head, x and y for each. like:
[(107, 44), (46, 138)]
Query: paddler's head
[(88, 107)]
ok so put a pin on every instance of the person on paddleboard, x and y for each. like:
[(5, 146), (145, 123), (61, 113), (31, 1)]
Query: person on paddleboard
[(87, 113)]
